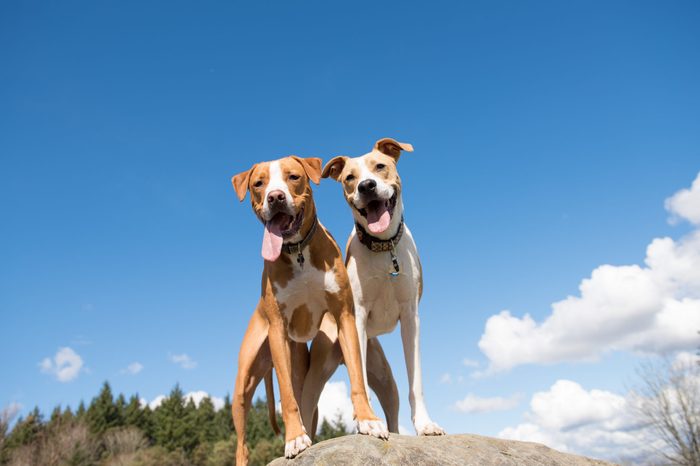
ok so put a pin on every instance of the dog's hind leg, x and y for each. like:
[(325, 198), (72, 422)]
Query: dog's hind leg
[(254, 362), (381, 381), (324, 360)]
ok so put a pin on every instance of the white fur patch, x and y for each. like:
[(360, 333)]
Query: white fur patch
[(296, 446), (329, 282), (374, 428), (276, 183)]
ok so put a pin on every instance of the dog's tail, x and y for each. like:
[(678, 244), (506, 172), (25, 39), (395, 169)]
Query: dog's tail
[(270, 394)]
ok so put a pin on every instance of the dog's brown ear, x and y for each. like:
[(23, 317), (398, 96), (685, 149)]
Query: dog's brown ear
[(312, 167), (240, 183), (392, 148), (334, 167)]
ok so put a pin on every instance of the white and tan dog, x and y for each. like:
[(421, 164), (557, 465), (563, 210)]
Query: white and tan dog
[(382, 262), (304, 279)]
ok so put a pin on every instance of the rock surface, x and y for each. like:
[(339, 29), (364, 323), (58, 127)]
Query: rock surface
[(462, 450)]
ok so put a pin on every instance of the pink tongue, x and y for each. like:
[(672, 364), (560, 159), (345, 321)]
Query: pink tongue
[(272, 242), (378, 220)]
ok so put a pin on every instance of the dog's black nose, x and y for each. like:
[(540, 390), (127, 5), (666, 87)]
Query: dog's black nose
[(367, 186), (276, 197)]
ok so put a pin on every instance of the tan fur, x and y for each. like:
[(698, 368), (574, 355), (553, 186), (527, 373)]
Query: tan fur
[(279, 320)]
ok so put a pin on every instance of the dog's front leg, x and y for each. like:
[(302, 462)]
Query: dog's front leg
[(296, 439), (367, 421), (410, 333)]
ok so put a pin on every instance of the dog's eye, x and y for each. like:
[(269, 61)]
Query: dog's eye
[(349, 178), (294, 177), (380, 166), (258, 183)]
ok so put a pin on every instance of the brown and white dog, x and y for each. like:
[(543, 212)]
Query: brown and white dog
[(304, 278), (383, 265)]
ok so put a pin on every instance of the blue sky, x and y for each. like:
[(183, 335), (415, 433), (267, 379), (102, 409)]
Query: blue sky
[(547, 137)]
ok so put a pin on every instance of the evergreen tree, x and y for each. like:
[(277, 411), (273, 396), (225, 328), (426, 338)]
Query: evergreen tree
[(80, 412), (136, 416), (56, 416), (206, 421), (224, 420), (120, 404), (174, 429), (25, 432), (102, 413), (333, 429), (67, 416), (258, 424)]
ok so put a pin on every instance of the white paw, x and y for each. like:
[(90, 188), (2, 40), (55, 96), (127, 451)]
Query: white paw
[(375, 428), (429, 428), (296, 446)]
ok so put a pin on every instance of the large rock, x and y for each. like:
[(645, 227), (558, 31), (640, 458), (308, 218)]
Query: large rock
[(458, 450)]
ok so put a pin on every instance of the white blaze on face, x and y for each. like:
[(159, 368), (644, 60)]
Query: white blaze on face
[(272, 234), (384, 191), (276, 183)]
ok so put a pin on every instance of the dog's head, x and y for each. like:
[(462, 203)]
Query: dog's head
[(371, 185), (281, 196)]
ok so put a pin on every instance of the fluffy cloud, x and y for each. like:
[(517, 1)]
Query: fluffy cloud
[(195, 396), (133, 368), (474, 404), (685, 204), (651, 308), (183, 360), (596, 423), (199, 395), (336, 400), (157, 401), (65, 365)]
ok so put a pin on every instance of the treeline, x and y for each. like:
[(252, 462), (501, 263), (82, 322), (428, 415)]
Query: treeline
[(114, 431)]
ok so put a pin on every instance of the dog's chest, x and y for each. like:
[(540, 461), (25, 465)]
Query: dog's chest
[(302, 301), (384, 295)]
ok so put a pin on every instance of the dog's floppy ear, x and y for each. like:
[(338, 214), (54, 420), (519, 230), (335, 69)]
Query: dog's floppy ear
[(312, 167), (392, 148), (240, 183), (334, 167)]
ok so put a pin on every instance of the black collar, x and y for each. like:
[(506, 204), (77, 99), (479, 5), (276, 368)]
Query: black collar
[(292, 248), (375, 244)]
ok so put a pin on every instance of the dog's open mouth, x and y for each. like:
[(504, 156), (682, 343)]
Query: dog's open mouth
[(279, 227), (378, 214), (286, 224)]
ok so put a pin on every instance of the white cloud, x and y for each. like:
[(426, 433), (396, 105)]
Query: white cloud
[(474, 404), (196, 396), (199, 395), (685, 204), (470, 362), (405, 431), (157, 401), (133, 368), (65, 365), (446, 378), (653, 308), (335, 399), (183, 360), (596, 423)]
